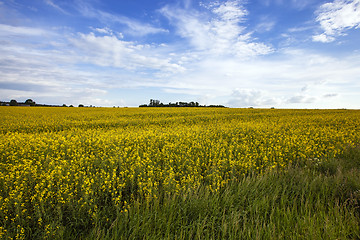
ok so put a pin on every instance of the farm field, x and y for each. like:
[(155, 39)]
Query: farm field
[(178, 173)]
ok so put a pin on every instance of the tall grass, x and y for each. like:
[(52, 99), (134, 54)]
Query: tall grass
[(307, 201)]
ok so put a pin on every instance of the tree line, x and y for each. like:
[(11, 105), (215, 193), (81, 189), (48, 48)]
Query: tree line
[(157, 103), (31, 103), (153, 103)]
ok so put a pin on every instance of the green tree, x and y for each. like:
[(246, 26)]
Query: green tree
[(13, 102), (30, 102)]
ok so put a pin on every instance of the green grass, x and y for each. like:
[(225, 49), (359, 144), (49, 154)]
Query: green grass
[(312, 200)]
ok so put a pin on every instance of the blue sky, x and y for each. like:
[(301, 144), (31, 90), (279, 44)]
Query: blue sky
[(260, 53)]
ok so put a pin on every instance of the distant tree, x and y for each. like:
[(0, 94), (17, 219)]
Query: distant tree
[(64, 105), (71, 106), (81, 105), (30, 102), (154, 103), (13, 102)]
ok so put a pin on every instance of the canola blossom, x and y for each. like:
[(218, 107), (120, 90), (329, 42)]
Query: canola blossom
[(59, 166)]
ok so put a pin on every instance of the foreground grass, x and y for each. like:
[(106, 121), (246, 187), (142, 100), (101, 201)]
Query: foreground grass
[(312, 200)]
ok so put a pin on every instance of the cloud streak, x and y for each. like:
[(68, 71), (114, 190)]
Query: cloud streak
[(134, 27), (8, 30), (55, 6), (335, 18)]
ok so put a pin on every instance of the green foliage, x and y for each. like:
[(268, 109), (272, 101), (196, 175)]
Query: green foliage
[(13, 102), (30, 102)]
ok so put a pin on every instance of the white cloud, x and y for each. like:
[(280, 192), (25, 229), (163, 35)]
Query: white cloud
[(251, 98), (111, 51), (219, 32), (231, 10), (105, 30), (323, 38), (336, 18)]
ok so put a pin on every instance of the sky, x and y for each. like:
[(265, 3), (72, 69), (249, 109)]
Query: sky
[(237, 53)]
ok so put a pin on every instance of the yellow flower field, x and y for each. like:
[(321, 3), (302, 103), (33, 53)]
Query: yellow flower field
[(68, 163)]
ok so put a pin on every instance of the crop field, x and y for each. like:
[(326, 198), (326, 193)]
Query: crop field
[(69, 170)]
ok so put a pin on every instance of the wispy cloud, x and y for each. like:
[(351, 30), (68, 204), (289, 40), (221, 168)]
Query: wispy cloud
[(301, 4), (218, 32), (187, 3), (336, 18), (8, 30), (57, 7), (300, 29), (109, 50), (134, 27), (296, 4), (104, 30), (301, 99), (265, 25)]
